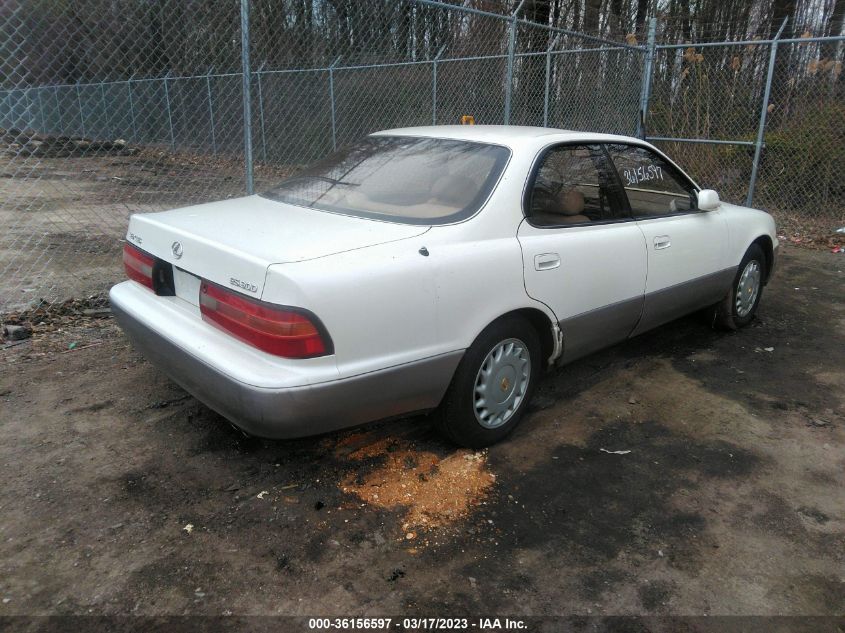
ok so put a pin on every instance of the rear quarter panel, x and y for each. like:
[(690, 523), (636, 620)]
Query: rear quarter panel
[(388, 305), (378, 303), (477, 281)]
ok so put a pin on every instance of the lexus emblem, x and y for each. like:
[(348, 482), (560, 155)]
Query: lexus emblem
[(176, 247)]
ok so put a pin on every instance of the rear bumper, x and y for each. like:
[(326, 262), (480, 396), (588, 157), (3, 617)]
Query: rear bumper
[(287, 412)]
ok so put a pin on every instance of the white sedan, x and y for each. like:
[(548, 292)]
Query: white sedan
[(432, 269)]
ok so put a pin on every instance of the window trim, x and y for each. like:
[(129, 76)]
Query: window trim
[(676, 171), (625, 208)]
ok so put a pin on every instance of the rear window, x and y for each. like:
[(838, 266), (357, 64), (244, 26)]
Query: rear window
[(412, 180)]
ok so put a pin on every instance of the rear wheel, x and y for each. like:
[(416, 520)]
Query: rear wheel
[(492, 385), (739, 306)]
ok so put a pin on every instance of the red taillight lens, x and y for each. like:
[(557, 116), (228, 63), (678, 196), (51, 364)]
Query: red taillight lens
[(279, 331), (138, 265)]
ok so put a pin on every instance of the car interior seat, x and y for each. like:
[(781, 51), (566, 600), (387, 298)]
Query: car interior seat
[(571, 207), (565, 208)]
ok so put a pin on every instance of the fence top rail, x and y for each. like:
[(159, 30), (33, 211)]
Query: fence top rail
[(514, 18), (413, 62), (583, 36), (571, 51), (134, 79), (462, 9), (790, 40), (439, 59), (709, 141)]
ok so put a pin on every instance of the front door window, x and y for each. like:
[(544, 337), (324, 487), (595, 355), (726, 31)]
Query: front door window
[(653, 186)]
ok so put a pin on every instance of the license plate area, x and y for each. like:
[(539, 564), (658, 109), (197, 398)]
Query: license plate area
[(186, 286)]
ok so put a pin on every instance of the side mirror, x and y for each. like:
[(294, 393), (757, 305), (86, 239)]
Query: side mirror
[(708, 200)]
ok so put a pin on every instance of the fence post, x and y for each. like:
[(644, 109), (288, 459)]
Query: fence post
[(331, 102), (261, 113), (41, 110), (648, 71), (434, 85), (247, 98), (210, 111), (132, 109), (551, 45), (105, 109), (764, 111), (81, 115), (10, 107), (60, 130), (509, 73), (169, 114)]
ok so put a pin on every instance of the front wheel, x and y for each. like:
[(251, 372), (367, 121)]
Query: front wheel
[(739, 306), (492, 385)]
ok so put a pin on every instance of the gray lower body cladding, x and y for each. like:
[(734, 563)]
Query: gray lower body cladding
[(676, 301), (599, 328)]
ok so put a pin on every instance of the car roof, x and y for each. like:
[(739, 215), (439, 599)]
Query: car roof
[(509, 135), (520, 137)]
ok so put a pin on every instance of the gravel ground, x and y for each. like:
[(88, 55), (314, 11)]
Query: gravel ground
[(123, 495)]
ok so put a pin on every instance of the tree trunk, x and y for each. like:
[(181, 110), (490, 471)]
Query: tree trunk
[(642, 10)]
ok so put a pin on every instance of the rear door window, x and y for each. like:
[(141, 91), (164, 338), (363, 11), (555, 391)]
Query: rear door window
[(573, 185)]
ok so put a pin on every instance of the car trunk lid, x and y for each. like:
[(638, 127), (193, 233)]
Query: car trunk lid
[(233, 242)]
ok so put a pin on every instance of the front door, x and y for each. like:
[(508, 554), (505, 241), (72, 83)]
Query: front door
[(686, 247), (583, 255)]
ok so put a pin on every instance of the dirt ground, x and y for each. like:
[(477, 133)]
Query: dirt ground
[(123, 495)]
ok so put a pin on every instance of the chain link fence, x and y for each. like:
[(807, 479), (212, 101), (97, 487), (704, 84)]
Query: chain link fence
[(763, 122), (800, 173), (108, 109)]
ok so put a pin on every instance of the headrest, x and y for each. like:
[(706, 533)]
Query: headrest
[(571, 202)]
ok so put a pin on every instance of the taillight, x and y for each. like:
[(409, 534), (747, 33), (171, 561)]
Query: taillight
[(277, 330), (138, 265)]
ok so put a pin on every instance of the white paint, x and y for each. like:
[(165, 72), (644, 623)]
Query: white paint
[(697, 246), (385, 304), (600, 265)]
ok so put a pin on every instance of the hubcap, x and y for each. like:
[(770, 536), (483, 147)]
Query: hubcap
[(748, 288), (501, 383)]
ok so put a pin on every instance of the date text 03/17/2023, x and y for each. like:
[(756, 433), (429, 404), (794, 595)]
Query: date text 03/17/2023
[(418, 624)]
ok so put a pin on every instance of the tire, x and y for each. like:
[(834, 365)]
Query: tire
[(508, 348), (734, 312)]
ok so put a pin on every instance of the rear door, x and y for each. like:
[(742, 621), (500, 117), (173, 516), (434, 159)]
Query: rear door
[(583, 255), (686, 247)]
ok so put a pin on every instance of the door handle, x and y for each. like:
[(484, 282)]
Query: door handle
[(546, 261), (661, 242)]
